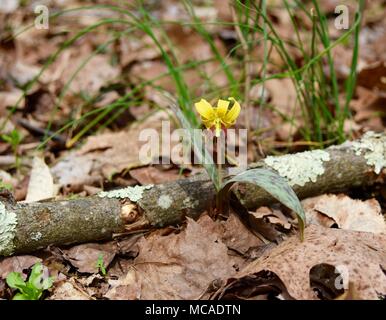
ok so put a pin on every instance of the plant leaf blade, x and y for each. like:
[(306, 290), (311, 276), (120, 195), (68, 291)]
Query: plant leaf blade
[(275, 185)]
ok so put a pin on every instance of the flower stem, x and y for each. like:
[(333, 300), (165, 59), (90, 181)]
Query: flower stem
[(219, 169)]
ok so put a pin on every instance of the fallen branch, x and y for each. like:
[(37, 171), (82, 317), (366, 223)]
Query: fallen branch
[(28, 227)]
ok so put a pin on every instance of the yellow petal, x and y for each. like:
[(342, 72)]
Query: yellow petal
[(233, 113), (205, 109), (208, 123), (222, 108)]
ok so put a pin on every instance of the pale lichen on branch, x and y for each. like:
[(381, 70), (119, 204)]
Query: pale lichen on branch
[(134, 194), (373, 146), (8, 223), (299, 168)]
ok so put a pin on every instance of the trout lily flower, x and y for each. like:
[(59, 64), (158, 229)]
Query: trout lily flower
[(220, 116)]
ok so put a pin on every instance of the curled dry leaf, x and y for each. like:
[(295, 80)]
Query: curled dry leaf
[(269, 223), (373, 76), (133, 49), (373, 42), (85, 257), (153, 175), (282, 93), (9, 99), (188, 46), (347, 213), (22, 73), (75, 170), (360, 256), (68, 290), (237, 237), (41, 183), (93, 76), (127, 287), (182, 266), (368, 107), (16, 264), (105, 154)]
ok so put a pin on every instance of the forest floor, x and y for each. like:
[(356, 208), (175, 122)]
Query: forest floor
[(75, 96)]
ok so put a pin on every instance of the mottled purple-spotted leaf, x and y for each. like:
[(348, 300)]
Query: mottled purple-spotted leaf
[(275, 185)]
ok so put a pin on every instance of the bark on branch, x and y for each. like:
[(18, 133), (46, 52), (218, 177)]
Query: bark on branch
[(28, 227)]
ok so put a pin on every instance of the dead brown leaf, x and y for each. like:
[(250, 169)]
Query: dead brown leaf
[(373, 76), (238, 237), (283, 99), (150, 70), (269, 223), (22, 73), (41, 183), (137, 49), (93, 76), (188, 46), (373, 42), (347, 213), (182, 266), (9, 99), (223, 10), (16, 264), (342, 61), (85, 257), (127, 287), (68, 290), (362, 255), (106, 154), (153, 175), (368, 106), (283, 95)]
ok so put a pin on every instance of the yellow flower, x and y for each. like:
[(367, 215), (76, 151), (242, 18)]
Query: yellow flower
[(219, 116)]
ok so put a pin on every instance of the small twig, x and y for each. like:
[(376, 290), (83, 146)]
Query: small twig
[(41, 132), (9, 160)]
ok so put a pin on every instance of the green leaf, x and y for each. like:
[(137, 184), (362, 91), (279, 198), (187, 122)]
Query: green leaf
[(15, 280), (35, 279), (6, 138), (275, 185), (100, 265), (34, 287), (47, 283), (20, 296)]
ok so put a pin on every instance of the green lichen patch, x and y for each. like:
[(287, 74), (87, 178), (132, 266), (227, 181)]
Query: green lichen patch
[(299, 168), (8, 223), (165, 201), (189, 203), (36, 236), (132, 193), (373, 146)]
